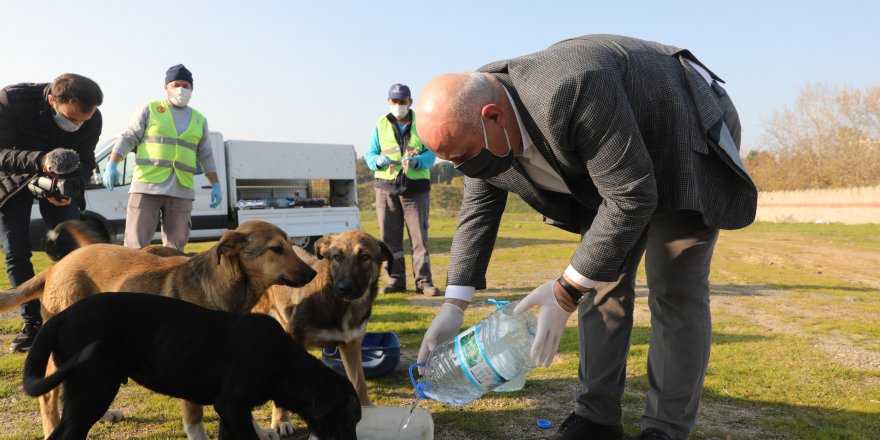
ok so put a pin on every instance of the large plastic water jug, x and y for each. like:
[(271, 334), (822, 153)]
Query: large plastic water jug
[(517, 383), (479, 359)]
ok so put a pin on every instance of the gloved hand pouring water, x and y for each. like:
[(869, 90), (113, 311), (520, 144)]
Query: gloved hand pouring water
[(556, 301), (555, 305), (444, 327)]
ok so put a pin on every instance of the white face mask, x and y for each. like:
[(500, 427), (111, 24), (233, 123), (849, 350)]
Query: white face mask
[(399, 110), (66, 124), (180, 96)]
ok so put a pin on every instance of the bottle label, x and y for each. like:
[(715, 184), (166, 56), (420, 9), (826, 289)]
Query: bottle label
[(473, 360)]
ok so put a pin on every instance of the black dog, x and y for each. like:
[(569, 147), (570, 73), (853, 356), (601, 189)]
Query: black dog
[(234, 362)]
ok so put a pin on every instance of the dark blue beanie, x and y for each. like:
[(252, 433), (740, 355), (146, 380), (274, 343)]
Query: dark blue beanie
[(177, 72)]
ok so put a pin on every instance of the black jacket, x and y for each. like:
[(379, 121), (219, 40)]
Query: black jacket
[(28, 130)]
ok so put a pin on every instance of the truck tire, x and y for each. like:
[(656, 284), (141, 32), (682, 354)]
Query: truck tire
[(307, 242)]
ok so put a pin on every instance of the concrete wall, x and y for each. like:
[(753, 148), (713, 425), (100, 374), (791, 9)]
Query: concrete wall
[(848, 205)]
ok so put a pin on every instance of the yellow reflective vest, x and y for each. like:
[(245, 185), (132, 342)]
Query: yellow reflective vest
[(162, 150), (390, 147)]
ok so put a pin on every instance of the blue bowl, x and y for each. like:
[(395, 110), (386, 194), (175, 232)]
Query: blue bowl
[(380, 354)]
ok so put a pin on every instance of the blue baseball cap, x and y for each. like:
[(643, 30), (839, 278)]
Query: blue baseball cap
[(398, 91)]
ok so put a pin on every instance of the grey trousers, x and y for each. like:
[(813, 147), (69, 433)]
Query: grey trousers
[(395, 211), (144, 213), (678, 249)]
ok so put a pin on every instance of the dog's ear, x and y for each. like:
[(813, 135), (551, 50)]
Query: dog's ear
[(386, 254), (230, 244), (321, 247)]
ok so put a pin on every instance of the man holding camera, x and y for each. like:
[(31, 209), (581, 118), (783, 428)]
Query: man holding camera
[(48, 133)]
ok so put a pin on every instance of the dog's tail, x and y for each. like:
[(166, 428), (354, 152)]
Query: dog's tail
[(31, 289), (35, 381), (80, 231)]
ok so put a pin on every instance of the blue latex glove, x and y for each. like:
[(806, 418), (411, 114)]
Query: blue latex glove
[(411, 162), (216, 195), (111, 175), (382, 161)]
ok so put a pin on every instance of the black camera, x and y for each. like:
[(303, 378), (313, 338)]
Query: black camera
[(53, 186), (55, 180)]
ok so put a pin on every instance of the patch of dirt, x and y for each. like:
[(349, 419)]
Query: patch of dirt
[(773, 306), (842, 262)]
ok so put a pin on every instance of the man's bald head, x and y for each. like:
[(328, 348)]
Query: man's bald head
[(450, 111)]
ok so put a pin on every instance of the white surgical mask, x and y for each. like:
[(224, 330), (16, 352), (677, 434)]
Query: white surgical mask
[(180, 96), (399, 110), (66, 124)]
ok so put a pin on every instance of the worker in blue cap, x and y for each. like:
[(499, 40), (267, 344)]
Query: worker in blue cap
[(402, 171), (172, 140)]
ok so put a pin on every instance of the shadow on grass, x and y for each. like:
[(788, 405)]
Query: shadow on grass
[(815, 288), (552, 400), (766, 289), (443, 245)]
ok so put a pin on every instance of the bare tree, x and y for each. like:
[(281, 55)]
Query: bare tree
[(829, 138)]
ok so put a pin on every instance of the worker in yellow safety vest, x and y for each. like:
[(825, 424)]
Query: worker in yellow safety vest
[(402, 171), (171, 140)]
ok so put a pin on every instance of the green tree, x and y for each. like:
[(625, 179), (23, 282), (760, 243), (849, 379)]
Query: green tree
[(363, 172)]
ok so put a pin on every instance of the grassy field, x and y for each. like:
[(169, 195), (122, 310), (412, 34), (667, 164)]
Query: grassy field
[(796, 331)]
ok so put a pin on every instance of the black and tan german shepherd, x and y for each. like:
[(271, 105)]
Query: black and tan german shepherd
[(334, 308)]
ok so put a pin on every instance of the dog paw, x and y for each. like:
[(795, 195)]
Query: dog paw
[(195, 431), (267, 434), (112, 416), (286, 429)]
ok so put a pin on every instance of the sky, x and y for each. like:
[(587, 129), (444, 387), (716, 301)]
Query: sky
[(320, 71)]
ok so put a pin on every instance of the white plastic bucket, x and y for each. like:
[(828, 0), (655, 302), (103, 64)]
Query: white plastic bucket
[(382, 423)]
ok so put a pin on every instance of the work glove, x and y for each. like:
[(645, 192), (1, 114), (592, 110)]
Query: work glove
[(551, 322), (382, 161), (111, 175), (216, 195), (444, 327), (410, 162)]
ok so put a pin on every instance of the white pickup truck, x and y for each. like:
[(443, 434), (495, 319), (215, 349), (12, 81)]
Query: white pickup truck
[(306, 189)]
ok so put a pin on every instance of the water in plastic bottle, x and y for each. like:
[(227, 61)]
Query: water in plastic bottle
[(481, 358), (518, 382)]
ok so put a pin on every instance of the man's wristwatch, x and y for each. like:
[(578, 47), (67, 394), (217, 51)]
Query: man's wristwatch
[(576, 295)]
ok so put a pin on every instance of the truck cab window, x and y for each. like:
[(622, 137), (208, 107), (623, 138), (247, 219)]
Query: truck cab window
[(128, 169)]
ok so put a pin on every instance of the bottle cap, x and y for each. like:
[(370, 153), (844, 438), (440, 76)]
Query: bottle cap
[(543, 424)]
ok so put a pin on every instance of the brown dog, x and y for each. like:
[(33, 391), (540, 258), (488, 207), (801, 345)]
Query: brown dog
[(332, 310), (231, 276)]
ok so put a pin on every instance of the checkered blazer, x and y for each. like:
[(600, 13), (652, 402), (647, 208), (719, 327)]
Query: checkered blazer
[(625, 122)]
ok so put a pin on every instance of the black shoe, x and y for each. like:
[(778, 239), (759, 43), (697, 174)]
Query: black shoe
[(429, 291), (653, 434), (576, 427), (394, 289), (25, 338)]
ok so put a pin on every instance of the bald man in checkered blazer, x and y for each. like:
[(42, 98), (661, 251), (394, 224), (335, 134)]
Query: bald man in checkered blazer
[(635, 146)]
